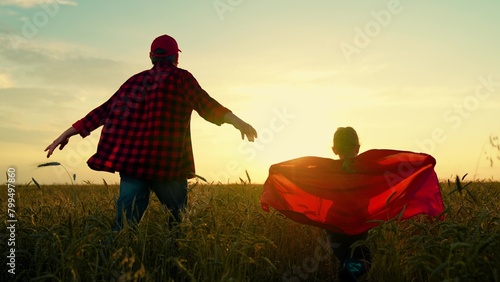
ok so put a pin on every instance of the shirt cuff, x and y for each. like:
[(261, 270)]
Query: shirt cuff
[(220, 114), (79, 126)]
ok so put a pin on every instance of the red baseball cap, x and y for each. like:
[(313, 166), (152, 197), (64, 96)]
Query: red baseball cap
[(166, 43)]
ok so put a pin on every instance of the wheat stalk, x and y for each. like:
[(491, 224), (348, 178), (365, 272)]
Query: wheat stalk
[(57, 164)]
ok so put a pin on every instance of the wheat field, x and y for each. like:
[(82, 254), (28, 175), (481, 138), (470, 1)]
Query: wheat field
[(63, 233)]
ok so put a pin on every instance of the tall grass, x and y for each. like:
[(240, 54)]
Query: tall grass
[(64, 235)]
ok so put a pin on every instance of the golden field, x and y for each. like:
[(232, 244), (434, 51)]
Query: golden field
[(63, 233)]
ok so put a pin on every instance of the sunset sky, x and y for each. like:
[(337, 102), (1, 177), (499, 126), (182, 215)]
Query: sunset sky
[(422, 76)]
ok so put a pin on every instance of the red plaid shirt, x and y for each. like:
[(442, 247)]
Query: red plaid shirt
[(146, 130)]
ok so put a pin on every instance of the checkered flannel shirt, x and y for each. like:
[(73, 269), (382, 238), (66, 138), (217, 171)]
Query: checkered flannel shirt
[(146, 125)]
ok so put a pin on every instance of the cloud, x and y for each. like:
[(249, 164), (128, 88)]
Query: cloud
[(35, 108), (61, 65), (35, 98), (30, 136), (46, 86), (33, 3)]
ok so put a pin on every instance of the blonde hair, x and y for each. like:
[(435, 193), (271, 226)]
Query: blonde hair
[(346, 145)]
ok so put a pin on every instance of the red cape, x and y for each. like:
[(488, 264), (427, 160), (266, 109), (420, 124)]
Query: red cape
[(383, 184)]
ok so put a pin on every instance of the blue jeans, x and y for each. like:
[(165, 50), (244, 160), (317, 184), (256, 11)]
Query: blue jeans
[(134, 198)]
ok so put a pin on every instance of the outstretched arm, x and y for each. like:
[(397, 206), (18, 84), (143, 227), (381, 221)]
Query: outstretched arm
[(209, 109), (62, 140), (243, 127), (84, 126)]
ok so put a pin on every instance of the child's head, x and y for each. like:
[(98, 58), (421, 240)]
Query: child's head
[(345, 142)]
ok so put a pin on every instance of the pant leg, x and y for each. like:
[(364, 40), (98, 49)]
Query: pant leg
[(132, 202), (173, 195), (341, 246)]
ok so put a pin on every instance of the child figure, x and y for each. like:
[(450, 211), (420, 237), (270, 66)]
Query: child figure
[(353, 262), (348, 197)]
